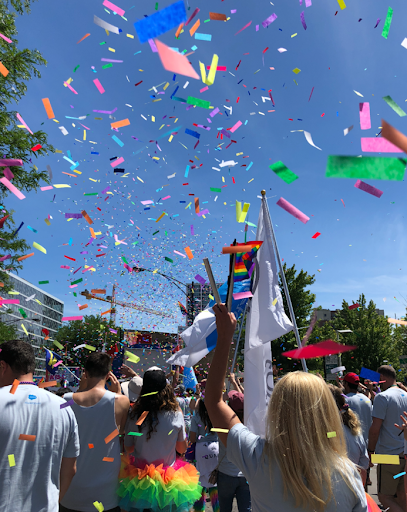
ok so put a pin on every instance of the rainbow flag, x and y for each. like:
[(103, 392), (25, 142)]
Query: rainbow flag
[(244, 261)]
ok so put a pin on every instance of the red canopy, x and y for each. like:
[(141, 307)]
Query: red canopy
[(325, 348)]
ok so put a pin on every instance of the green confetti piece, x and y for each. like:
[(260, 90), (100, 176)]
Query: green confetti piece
[(75, 294), (110, 65), (43, 282), (171, 431), (198, 102), (169, 259), (392, 104), (76, 68), (103, 42), (387, 23), (206, 21), (134, 434), (23, 313), (330, 434), (91, 194), (89, 347), (166, 234), (57, 344), (124, 259), (132, 357), (283, 172), (148, 394), (77, 281), (368, 167), (215, 189), (156, 232), (156, 6)]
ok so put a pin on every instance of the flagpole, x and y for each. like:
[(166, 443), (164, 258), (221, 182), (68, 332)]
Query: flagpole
[(237, 344), (287, 295)]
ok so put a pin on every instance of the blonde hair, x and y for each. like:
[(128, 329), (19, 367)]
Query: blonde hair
[(301, 413), (349, 418)]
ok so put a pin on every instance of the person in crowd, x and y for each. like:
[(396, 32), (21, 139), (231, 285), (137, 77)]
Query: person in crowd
[(297, 467), (358, 402), (200, 423), (388, 406), (355, 443), (132, 388), (184, 403), (101, 416), (151, 476), (207, 453), (235, 383), (39, 440), (231, 481)]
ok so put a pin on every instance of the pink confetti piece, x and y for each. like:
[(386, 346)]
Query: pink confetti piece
[(204, 89), (289, 208), (98, 86), (203, 212), (147, 202), (242, 295), (248, 25), (233, 11), (236, 126), (166, 197), (65, 266), (361, 185), (308, 3), (9, 301), (73, 285), (70, 87), (47, 188), (302, 16), (12, 188), (268, 21), (180, 254), (312, 90), (23, 122), (364, 115), (378, 145), (72, 318), (117, 162), (7, 173), (5, 38), (343, 202), (192, 16), (5, 162), (113, 7), (153, 46)]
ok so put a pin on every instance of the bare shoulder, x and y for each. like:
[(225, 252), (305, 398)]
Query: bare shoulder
[(122, 401)]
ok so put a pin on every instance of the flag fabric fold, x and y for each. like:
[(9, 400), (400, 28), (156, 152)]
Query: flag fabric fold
[(51, 359)]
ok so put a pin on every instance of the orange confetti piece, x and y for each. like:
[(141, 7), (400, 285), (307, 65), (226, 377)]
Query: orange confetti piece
[(3, 70), (83, 307), (24, 437), (119, 124), (86, 217), (98, 290), (48, 108), (84, 37), (92, 233), (195, 27), (1, 285), (188, 253), (178, 32), (14, 386), (197, 205), (217, 16), (21, 258), (111, 436), (90, 446), (105, 312), (142, 418), (48, 384), (108, 459)]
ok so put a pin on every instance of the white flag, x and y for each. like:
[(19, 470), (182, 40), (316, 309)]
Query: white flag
[(266, 321)]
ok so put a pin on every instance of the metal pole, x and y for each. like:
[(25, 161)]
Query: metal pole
[(267, 218), (237, 343), (62, 364)]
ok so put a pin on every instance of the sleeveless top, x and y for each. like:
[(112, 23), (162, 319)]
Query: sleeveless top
[(95, 479)]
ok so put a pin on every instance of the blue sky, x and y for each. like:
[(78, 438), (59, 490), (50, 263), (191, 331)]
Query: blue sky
[(362, 245)]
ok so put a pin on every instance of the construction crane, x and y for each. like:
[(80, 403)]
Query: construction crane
[(114, 302)]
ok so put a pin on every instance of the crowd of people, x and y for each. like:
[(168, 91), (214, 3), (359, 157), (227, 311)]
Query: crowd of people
[(149, 444)]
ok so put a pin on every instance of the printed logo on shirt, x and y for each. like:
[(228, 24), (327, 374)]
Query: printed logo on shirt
[(32, 399)]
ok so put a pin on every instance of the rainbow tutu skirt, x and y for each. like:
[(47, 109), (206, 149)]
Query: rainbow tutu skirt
[(158, 488)]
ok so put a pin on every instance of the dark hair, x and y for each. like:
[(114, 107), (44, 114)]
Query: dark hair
[(387, 371), (164, 400), (97, 365), (19, 355), (190, 391), (352, 387), (349, 418), (203, 413)]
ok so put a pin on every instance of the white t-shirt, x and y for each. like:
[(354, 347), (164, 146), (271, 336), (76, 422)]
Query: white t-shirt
[(356, 448), (388, 406), (245, 450), (160, 448), (206, 455), (32, 485)]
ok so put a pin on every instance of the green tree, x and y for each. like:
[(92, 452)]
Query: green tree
[(16, 143), (93, 330), (371, 333), (8, 332)]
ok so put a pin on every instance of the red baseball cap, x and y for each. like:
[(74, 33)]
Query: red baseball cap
[(236, 401), (352, 378)]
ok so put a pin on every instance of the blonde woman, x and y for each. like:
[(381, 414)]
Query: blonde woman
[(352, 429), (297, 467)]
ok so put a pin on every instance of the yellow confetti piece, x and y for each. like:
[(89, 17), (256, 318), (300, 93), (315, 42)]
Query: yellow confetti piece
[(342, 4), (39, 247), (171, 137), (57, 344), (221, 430), (112, 50), (170, 432), (188, 206), (212, 71), (160, 217), (47, 222), (296, 71), (159, 99), (152, 393), (140, 179), (91, 179), (11, 460), (153, 119), (330, 434), (162, 126), (385, 459), (78, 172), (294, 35), (166, 85), (84, 134), (62, 186), (98, 505), (24, 329), (203, 72), (89, 347), (250, 180), (238, 154), (275, 301), (130, 35), (132, 357)]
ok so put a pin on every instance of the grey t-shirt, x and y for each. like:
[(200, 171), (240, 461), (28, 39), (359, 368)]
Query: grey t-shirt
[(388, 406), (197, 426), (362, 406), (245, 449), (160, 448), (225, 466), (32, 485), (356, 448)]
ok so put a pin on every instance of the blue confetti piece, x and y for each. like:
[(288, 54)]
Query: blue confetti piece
[(248, 167), (191, 132), (94, 153), (176, 89), (32, 229), (161, 22), (186, 174), (116, 139), (203, 37)]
